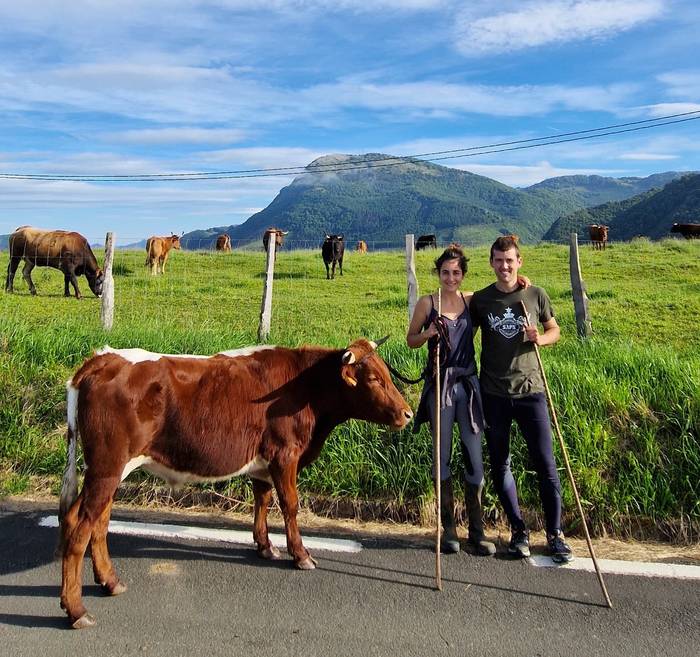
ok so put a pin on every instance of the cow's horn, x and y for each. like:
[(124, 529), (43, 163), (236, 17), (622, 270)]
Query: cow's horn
[(379, 343), (348, 358)]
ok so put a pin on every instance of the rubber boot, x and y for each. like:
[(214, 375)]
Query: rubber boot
[(449, 541), (476, 538)]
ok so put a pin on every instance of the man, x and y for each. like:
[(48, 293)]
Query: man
[(512, 389)]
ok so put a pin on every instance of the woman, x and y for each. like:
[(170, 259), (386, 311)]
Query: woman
[(460, 397)]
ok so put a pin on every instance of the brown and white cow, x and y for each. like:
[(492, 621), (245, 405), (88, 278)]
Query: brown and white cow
[(223, 243), (278, 237), (361, 246), (598, 235), (689, 231), (157, 251), (262, 411), (60, 249)]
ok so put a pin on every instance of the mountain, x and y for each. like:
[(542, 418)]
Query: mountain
[(589, 191), (383, 203), (650, 213)]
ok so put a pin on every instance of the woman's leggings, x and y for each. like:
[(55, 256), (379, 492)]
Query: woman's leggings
[(530, 413), (471, 442)]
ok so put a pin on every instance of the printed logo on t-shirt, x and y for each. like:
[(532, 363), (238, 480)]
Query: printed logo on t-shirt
[(509, 325)]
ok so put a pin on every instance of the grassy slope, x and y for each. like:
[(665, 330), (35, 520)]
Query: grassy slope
[(628, 400)]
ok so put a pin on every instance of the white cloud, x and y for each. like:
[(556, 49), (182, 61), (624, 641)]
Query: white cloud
[(177, 136), (523, 176), (666, 109), (539, 23), (648, 156)]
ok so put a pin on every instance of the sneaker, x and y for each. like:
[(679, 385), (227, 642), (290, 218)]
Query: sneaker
[(519, 545), (559, 550)]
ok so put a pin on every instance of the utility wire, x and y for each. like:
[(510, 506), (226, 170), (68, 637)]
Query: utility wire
[(350, 165)]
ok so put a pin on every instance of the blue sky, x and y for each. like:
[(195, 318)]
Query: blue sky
[(139, 87)]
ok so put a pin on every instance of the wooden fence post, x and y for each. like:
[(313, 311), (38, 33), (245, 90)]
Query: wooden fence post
[(578, 288), (411, 275), (107, 308), (266, 306)]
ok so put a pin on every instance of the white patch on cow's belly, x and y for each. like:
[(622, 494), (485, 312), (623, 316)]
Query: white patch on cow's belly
[(137, 355), (257, 469)]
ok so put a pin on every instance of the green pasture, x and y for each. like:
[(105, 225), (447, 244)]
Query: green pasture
[(628, 399)]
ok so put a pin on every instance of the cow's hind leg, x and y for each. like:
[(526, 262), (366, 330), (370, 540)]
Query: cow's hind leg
[(78, 526), (102, 566), (285, 478), (263, 497), (27, 275)]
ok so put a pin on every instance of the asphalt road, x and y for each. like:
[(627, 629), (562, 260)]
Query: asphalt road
[(209, 598)]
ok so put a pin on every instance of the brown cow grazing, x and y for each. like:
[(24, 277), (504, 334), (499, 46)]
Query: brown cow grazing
[(361, 247), (60, 249), (157, 250), (262, 411), (599, 235), (279, 238), (223, 243), (689, 231)]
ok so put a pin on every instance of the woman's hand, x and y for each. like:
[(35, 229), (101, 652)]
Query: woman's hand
[(431, 331), (524, 281)]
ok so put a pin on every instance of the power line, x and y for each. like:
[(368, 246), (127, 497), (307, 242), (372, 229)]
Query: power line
[(471, 151)]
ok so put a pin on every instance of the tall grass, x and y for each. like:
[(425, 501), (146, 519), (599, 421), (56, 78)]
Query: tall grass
[(628, 399)]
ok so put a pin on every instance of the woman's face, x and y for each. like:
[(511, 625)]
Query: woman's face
[(451, 275)]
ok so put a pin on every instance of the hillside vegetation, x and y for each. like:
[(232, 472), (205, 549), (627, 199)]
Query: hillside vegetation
[(650, 214), (628, 399), (382, 203)]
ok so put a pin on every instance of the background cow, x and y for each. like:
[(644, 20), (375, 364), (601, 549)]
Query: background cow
[(278, 237), (264, 411), (332, 250), (424, 241), (60, 249), (223, 243), (158, 250), (361, 247), (689, 231), (599, 235)]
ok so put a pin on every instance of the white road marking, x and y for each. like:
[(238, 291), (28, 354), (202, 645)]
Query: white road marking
[(208, 534), (616, 567)]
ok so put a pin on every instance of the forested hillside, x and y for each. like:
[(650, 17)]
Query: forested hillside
[(650, 214)]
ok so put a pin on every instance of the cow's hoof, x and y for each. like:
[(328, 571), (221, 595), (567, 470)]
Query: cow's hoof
[(114, 589), (86, 620), (270, 552), (307, 564)]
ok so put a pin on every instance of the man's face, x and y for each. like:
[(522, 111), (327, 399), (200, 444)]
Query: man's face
[(505, 265)]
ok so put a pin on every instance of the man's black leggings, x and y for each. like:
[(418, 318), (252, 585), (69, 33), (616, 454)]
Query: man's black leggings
[(531, 414)]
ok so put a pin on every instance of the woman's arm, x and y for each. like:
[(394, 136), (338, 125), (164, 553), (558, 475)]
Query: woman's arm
[(416, 337)]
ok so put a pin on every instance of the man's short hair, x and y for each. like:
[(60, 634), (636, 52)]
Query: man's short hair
[(504, 243)]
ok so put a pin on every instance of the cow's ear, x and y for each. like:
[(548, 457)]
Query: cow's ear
[(347, 371)]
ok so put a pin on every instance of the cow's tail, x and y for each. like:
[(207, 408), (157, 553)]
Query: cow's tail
[(69, 488)]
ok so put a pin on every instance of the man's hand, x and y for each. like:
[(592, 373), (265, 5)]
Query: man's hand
[(532, 334)]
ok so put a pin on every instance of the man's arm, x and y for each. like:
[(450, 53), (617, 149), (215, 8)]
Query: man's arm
[(550, 336)]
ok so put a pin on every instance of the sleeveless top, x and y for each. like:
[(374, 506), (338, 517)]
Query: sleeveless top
[(457, 365)]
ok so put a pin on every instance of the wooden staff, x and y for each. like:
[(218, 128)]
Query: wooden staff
[(436, 451), (568, 466)]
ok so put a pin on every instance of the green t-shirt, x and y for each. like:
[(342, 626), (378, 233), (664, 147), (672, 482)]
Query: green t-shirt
[(509, 365)]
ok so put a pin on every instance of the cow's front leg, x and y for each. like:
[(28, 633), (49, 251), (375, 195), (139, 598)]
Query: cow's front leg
[(262, 490), (284, 476)]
